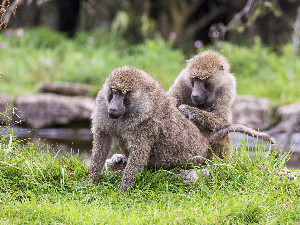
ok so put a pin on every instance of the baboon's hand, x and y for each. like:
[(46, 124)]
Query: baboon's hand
[(118, 158), (184, 110), (116, 163)]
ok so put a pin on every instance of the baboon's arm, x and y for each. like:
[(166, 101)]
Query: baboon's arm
[(138, 158), (205, 121), (101, 148)]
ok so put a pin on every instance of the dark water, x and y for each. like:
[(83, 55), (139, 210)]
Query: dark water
[(80, 141), (60, 139)]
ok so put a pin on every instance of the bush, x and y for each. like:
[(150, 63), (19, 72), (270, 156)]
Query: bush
[(263, 73), (88, 58)]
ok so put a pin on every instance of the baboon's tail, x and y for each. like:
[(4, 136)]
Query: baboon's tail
[(241, 129)]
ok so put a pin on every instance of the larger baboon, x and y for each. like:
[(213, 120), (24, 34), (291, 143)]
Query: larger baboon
[(133, 109), (205, 91)]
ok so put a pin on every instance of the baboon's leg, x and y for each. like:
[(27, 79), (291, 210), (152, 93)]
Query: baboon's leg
[(102, 146), (137, 160), (222, 149)]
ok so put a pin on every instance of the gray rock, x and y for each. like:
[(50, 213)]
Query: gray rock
[(191, 176), (50, 110), (287, 111), (252, 112), (64, 88)]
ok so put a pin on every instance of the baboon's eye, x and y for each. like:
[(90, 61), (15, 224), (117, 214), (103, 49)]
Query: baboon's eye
[(192, 81), (207, 85), (110, 94), (127, 99)]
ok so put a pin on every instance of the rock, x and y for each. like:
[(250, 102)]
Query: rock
[(286, 111), (52, 110), (191, 176), (289, 120), (65, 88), (253, 112)]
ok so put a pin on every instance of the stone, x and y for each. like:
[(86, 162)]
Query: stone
[(286, 111), (64, 88), (53, 110), (253, 112)]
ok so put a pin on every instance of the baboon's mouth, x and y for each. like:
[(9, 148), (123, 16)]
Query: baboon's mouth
[(116, 115), (206, 105)]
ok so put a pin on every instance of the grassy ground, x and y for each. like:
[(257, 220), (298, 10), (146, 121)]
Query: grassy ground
[(43, 55), (39, 186)]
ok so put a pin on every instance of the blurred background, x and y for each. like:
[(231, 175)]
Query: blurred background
[(82, 41), (46, 41)]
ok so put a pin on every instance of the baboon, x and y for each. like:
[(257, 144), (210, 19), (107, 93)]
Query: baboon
[(205, 91), (133, 109)]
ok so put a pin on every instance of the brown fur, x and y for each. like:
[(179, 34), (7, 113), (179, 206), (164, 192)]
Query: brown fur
[(213, 69), (151, 132)]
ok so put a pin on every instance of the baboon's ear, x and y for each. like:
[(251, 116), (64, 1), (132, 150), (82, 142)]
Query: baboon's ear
[(221, 68)]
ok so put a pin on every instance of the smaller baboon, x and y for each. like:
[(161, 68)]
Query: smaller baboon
[(205, 91), (133, 109)]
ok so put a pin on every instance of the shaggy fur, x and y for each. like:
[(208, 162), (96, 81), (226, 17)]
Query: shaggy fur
[(151, 132), (214, 69)]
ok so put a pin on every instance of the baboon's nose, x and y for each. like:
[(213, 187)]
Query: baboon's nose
[(198, 99), (111, 110), (115, 113)]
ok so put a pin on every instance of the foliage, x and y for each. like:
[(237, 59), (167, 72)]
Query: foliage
[(263, 73), (42, 186), (44, 55)]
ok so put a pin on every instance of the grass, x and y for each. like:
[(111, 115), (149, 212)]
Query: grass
[(44, 55), (40, 186)]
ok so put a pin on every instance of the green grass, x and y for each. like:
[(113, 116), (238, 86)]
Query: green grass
[(45, 55), (39, 186)]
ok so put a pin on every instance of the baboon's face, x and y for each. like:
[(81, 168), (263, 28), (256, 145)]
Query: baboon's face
[(203, 93), (117, 103)]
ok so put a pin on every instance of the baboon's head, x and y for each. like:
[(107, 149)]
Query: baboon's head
[(126, 91), (207, 71)]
